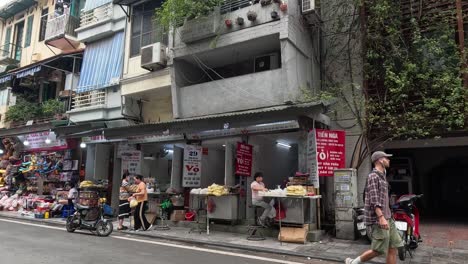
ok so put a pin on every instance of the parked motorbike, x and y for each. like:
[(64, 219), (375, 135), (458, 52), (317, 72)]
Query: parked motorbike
[(360, 225), (406, 216), (89, 218)]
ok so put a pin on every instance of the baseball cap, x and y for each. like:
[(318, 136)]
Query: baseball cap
[(379, 154)]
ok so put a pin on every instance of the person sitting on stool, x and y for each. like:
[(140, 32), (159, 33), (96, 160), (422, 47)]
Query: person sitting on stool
[(256, 186)]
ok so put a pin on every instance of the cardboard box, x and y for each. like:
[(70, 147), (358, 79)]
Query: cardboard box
[(178, 215), (294, 234)]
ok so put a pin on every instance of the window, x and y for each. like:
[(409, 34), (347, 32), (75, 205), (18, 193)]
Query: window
[(144, 30), (27, 42), (44, 16), (6, 47)]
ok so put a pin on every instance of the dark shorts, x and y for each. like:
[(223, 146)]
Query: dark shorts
[(124, 209)]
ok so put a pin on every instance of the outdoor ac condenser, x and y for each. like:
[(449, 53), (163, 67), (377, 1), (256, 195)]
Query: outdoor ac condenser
[(308, 6), (153, 56), (267, 62)]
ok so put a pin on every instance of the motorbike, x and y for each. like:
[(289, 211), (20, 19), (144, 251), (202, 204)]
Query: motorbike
[(360, 226), (94, 219), (406, 216)]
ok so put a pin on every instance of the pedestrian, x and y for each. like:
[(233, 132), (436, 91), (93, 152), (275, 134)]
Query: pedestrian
[(384, 235), (141, 197), (257, 185), (72, 195), (124, 204)]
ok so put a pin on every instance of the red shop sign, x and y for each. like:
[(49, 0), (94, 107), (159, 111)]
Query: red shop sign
[(244, 159), (331, 152)]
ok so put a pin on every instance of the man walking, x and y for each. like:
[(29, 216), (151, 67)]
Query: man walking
[(385, 237)]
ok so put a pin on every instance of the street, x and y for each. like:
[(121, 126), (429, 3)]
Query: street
[(24, 242)]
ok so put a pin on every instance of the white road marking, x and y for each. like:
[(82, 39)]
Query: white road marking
[(220, 252)]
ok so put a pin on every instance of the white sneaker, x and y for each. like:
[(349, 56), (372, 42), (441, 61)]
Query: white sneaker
[(348, 260)]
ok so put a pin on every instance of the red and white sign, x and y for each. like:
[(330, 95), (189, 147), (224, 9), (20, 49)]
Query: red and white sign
[(43, 141), (244, 155), (131, 161), (331, 153), (192, 166)]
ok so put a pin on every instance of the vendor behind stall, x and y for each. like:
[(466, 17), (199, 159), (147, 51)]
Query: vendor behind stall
[(257, 185)]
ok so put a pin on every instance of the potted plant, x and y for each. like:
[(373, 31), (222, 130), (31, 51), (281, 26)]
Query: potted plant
[(53, 108)]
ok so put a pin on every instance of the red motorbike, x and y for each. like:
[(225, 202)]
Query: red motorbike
[(406, 216)]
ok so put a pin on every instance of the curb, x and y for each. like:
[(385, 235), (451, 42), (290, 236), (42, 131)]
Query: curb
[(190, 241)]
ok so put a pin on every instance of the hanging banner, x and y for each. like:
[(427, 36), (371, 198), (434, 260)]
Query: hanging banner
[(131, 161), (191, 176), (331, 152), (312, 167), (42, 141), (244, 155)]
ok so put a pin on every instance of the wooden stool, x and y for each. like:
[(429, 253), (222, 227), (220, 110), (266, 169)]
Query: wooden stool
[(255, 232)]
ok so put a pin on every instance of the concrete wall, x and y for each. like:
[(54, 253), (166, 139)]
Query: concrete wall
[(159, 168), (103, 28), (213, 168)]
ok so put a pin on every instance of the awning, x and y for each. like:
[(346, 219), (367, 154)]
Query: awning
[(261, 119), (90, 5), (5, 78), (125, 2), (102, 64), (25, 130), (14, 7), (29, 71)]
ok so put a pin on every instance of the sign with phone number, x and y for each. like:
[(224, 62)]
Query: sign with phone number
[(192, 166)]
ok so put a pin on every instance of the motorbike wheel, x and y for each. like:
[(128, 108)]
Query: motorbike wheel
[(104, 228), (70, 225), (402, 253)]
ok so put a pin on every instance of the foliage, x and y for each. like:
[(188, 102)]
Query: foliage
[(52, 107), (173, 13), (419, 90), (23, 110)]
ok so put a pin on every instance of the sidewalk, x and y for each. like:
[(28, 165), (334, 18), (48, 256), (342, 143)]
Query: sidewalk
[(328, 249)]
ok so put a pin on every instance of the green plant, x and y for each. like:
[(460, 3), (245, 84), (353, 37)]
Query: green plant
[(52, 107), (173, 13), (23, 110)]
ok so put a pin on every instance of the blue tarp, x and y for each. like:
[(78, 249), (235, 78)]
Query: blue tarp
[(102, 64)]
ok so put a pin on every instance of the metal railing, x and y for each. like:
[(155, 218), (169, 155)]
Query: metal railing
[(89, 99), (233, 5), (61, 25), (10, 52), (95, 15)]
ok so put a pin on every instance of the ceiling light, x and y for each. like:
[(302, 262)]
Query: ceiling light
[(224, 145), (83, 145), (1, 151), (47, 141), (283, 144), (26, 143)]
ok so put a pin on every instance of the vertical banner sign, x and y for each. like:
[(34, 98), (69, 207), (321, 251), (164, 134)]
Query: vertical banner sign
[(192, 166), (131, 161), (330, 151), (244, 159), (312, 167)]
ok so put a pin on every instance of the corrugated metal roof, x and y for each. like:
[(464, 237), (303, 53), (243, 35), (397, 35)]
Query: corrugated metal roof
[(102, 64), (13, 7)]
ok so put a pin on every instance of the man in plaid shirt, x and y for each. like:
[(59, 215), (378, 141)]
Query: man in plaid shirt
[(385, 237)]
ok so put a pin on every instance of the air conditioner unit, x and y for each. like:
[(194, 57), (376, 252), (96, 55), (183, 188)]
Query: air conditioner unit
[(267, 62), (153, 56), (308, 6)]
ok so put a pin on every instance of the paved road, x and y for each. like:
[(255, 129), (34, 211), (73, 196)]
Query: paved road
[(28, 243)]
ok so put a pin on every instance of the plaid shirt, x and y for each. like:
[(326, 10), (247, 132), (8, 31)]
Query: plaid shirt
[(376, 196)]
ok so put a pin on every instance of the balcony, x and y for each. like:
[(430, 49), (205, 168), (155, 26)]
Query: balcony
[(232, 5), (60, 32), (94, 99), (10, 54), (100, 22)]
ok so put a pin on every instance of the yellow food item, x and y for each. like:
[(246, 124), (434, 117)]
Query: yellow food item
[(85, 184), (297, 190), (217, 190)]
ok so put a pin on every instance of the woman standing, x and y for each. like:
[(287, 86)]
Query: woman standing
[(142, 197), (124, 205)]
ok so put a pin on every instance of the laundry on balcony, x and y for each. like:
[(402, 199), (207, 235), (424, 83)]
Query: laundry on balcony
[(102, 64)]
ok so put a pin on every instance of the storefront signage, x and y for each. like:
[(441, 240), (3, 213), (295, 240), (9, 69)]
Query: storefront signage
[(5, 78), (244, 155), (192, 166), (29, 71), (46, 140), (312, 166), (330, 151), (154, 138), (94, 139), (255, 129), (131, 161)]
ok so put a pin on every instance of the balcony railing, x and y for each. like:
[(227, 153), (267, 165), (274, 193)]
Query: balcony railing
[(61, 25), (10, 53), (95, 15), (89, 99), (232, 5)]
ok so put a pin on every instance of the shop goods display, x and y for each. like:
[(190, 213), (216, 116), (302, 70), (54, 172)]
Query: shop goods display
[(199, 191), (296, 190), (274, 193), (217, 190)]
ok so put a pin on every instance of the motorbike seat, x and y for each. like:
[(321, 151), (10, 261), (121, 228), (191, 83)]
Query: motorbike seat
[(81, 207)]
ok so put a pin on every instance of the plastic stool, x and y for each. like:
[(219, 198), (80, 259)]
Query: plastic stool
[(255, 232)]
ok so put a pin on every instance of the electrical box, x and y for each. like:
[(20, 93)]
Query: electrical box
[(346, 198)]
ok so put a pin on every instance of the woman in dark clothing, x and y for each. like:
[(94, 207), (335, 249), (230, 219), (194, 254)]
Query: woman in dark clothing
[(124, 205)]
